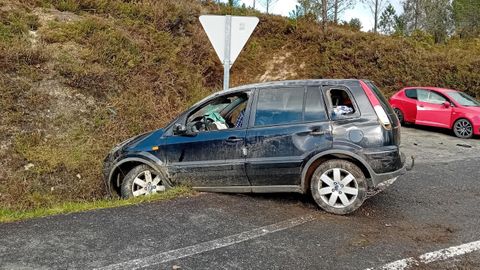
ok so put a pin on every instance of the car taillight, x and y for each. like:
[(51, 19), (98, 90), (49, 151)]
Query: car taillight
[(382, 117), (381, 114)]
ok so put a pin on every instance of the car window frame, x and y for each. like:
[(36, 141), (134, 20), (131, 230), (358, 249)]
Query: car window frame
[(253, 112), (329, 106), (416, 93), (182, 119), (327, 114)]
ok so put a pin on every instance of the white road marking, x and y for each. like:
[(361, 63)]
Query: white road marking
[(210, 245), (439, 255)]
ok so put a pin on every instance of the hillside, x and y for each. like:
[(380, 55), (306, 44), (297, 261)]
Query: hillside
[(77, 77)]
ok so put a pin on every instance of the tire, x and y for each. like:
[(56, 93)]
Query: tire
[(462, 128), (338, 186), (143, 180), (400, 115)]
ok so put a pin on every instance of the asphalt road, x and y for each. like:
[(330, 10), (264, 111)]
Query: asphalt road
[(431, 208)]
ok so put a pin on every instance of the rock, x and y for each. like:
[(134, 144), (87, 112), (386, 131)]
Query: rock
[(28, 166), (79, 176)]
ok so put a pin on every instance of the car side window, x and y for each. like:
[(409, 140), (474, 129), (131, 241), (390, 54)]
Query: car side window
[(411, 93), (314, 105), (224, 112), (422, 95), (279, 106), (436, 98), (341, 104)]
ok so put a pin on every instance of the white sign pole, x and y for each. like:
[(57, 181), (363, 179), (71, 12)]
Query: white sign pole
[(226, 59)]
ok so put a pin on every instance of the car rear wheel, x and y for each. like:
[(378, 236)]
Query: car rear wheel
[(463, 129), (142, 181), (400, 116), (338, 186)]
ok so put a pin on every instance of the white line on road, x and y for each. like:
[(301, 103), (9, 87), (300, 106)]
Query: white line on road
[(210, 245), (439, 255)]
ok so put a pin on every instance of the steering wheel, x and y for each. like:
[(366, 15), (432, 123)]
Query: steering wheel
[(201, 123)]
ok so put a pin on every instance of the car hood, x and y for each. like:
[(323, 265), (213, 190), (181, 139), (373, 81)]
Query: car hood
[(140, 139)]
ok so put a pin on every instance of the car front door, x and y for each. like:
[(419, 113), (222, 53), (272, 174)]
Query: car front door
[(210, 158), (282, 135), (431, 110)]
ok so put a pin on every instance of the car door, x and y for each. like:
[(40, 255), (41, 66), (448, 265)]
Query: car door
[(409, 104), (431, 110), (282, 135), (209, 158)]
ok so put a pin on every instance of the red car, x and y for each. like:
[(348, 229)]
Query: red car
[(438, 107)]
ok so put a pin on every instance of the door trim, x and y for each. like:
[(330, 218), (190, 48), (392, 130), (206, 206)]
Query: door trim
[(251, 189)]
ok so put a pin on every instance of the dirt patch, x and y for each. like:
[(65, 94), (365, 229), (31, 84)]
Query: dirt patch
[(279, 69)]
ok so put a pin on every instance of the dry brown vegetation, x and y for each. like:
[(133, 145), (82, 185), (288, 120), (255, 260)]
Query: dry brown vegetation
[(77, 77)]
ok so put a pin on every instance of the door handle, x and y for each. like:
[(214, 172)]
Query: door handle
[(318, 132), (421, 106), (234, 139)]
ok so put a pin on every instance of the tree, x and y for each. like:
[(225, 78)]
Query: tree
[(466, 14), (233, 3), (268, 4), (413, 14), (438, 19), (355, 23), (376, 7), (339, 6), (388, 20)]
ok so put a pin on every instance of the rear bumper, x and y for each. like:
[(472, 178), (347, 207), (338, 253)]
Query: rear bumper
[(383, 180)]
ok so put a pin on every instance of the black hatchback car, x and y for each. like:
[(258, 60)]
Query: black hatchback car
[(338, 139)]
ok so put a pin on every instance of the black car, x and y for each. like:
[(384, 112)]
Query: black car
[(338, 139)]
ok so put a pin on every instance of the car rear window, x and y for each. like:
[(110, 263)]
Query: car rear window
[(279, 106)]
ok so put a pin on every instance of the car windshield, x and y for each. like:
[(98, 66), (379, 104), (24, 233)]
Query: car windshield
[(464, 99)]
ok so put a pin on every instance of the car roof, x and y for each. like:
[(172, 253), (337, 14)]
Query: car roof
[(438, 89), (290, 83)]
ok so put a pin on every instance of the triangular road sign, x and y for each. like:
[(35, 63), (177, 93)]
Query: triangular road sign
[(216, 27)]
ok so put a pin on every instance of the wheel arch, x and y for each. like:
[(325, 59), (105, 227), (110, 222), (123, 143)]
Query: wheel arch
[(122, 167), (318, 159)]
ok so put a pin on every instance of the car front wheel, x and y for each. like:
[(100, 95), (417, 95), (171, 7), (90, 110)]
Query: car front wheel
[(338, 186), (463, 129), (142, 181)]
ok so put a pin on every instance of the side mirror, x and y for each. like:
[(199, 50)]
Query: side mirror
[(179, 129), (447, 104)]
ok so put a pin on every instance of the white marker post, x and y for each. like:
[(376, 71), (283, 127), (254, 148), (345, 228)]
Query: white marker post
[(228, 34)]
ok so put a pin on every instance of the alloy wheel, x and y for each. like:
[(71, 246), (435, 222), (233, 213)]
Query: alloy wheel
[(463, 128), (338, 188), (146, 183)]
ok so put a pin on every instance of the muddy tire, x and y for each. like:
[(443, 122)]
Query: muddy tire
[(338, 186), (462, 128), (141, 181)]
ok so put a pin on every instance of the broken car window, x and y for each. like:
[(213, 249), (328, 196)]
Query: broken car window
[(342, 104), (218, 114)]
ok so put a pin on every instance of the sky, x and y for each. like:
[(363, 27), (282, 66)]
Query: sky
[(360, 11)]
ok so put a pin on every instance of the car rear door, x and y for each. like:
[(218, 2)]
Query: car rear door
[(409, 104), (431, 111), (287, 126)]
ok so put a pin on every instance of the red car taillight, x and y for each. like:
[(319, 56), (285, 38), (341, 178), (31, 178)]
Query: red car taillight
[(381, 114)]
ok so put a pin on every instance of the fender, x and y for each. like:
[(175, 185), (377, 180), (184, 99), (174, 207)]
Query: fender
[(303, 183), (143, 157)]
